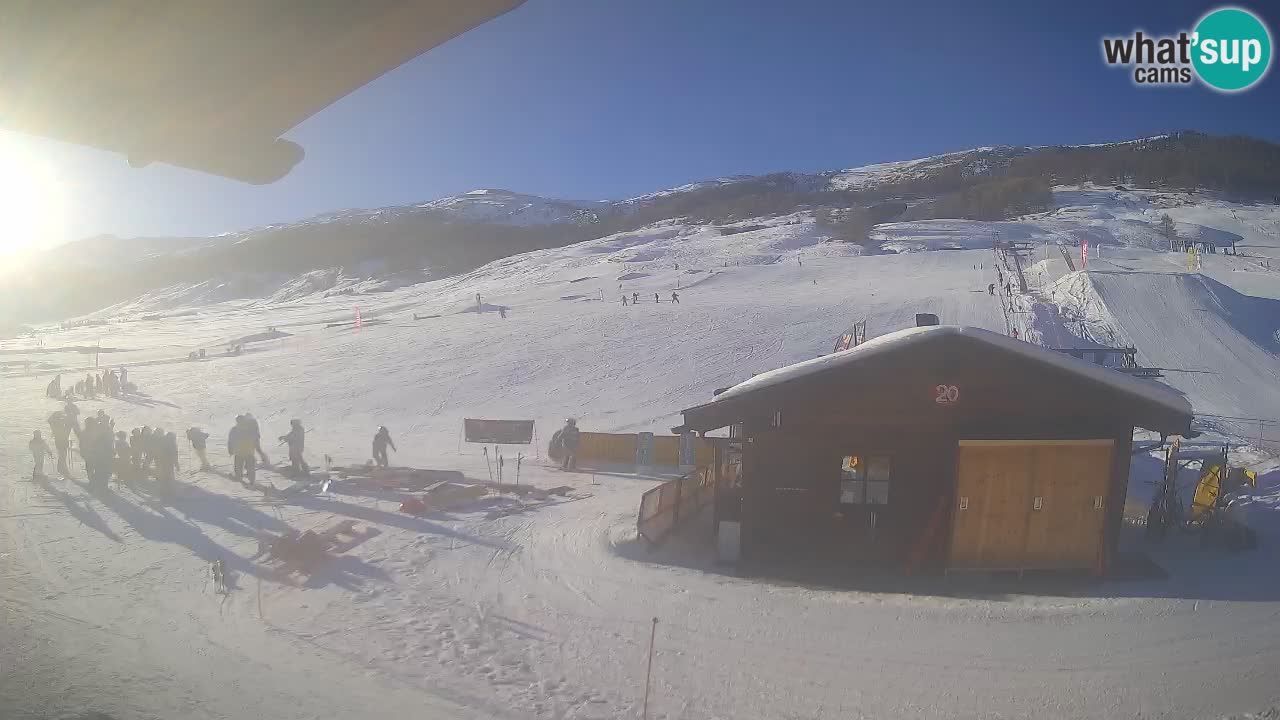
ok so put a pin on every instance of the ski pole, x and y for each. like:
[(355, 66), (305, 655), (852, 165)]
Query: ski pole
[(487, 465)]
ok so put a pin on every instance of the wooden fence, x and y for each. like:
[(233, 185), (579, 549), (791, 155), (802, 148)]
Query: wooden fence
[(662, 508), (621, 448)]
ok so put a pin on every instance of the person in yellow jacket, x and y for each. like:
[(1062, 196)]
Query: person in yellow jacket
[(241, 445)]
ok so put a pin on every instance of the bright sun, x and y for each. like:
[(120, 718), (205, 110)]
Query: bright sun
[(30, 202)]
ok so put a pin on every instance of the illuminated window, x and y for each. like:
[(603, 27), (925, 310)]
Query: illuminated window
[(864, 480)]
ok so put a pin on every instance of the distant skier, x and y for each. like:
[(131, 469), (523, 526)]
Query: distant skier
[(502, 312), (624, 301), (635, 298), (655, 298), (124, 376), (991, 289), (241, 446), (199, 439), (569, 437), (39, 451), (1015, 333), (380, 442), (1008, 289), (675, 298), (296, 439)]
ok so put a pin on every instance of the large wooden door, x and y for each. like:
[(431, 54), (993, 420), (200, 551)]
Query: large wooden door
[(990, 517), (1029, 504), (1072, 483)]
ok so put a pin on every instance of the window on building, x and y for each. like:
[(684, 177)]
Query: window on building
[(864, 479)]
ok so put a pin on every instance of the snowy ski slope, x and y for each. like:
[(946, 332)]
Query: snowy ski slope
[(518, 609)]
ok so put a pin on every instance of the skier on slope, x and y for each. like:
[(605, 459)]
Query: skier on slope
[(252, 423), (166, 462), (137, 448), (61, 429), (655, 298), (675, 297), (991, 289), (569, 437), (624, 301), (89, 448), (296, 439), (198, 439), (241, 446), (380, 442), (635, 298), (124, 458), (39, 451)]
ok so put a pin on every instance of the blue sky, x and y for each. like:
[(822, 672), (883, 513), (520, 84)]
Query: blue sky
[(597, 99)]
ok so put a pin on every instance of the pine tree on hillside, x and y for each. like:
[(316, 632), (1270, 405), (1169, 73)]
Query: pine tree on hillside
[(1167, 229)]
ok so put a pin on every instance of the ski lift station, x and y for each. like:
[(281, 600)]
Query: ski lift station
[(937, 448)]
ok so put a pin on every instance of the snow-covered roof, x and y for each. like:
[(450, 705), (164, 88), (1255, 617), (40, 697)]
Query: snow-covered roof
[(1147, 390)]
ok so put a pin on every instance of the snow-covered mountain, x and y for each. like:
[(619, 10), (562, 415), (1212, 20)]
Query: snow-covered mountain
[(455, 234)]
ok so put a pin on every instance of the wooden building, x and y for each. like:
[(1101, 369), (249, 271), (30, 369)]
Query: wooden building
[(937, 447)]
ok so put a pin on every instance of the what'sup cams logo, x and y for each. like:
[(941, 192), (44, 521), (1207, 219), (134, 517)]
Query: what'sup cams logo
[(1229, 50)]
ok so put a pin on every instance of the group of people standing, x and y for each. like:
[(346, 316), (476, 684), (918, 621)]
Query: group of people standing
[(635, 298), (107, 451), (110, 383)]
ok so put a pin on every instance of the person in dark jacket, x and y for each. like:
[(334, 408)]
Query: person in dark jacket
[(54, 390), (296, 439), (166, 461), (124, 458), (569, 443), (61, 430), (39, 451), (88, 447), (137, 449), (199, 439), (380, 442)]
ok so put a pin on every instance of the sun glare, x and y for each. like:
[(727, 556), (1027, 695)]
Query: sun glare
[(30, 203)]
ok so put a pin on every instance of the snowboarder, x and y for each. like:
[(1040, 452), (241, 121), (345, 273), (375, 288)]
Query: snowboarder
[(675, 298), (991, 289), (296, 439), (252, 423), (380, 442), (569, 444), (198, 439), (241, 446), (39, 451)]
